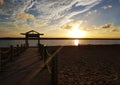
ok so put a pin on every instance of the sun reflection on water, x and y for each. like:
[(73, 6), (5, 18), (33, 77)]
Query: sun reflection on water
[(76, 42)]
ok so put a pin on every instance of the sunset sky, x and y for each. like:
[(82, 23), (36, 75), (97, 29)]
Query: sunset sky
[(61, 18)]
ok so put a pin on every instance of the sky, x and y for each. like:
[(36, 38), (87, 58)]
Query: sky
[(61, 18)]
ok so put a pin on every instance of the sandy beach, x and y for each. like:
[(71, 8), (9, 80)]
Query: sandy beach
[(89, 65), (77, 65)]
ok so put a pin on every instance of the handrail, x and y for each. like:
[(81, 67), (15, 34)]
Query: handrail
[(50, 56), (10, 55), (53, 55), (47, 58), (53, 59)]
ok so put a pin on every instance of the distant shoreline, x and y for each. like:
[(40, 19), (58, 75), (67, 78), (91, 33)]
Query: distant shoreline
[(19, 38)]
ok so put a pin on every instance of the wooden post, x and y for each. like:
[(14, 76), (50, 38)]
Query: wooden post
[(38, 39), (17, 50), (26, 40), (54, 71), (11, 52), (0, 61), (44, 53), (40, 51), (21, 48), (24, 47)]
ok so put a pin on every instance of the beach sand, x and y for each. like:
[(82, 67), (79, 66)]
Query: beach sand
[(77, 65), (88, 65)]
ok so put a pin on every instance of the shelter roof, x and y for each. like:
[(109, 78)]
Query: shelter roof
[(32, 32)]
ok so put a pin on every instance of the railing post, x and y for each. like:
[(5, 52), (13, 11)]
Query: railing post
[(21, 48), (3, 62), (11, 52), (24, 47), (17, 50), (54, 71), (0, 61), (44, 53)]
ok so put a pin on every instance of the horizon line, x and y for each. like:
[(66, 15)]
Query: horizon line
[(56, 38)]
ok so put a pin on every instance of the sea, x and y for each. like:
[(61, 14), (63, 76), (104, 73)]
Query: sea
[(7, 43)]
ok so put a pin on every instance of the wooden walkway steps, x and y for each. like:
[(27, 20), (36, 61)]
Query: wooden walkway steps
[(19, 71)]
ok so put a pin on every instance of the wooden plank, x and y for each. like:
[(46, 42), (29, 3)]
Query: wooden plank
[(23, 67), (35, 73)]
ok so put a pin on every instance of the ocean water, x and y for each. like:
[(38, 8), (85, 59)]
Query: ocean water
[(7, 43)]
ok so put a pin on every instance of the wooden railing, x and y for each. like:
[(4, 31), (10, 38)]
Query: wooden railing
[(10, 54), (50, 62)]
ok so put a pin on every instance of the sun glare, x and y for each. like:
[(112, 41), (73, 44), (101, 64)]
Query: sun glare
[(76, 42), (75, 32)]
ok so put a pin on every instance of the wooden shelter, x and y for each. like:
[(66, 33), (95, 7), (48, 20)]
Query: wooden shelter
[(31, 34)]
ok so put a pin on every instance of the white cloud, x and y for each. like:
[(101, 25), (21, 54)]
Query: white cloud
[(108, 27), (72, 23), (60, 10), (91, 12), (83, 2), (26, 16), (107, 7), (48, 11), (14, 7)]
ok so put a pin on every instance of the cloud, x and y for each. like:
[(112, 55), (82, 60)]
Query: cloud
[(26, 16), (67, 26), (59, 11), (106, 26), (73, 23), (15, 25), (47, 12), (115, 30), (91, 12), (107, 7), (39, 24), (15, 7), (23, 19), (1, 2)]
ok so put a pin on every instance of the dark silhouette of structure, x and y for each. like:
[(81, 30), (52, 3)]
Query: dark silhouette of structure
[(31, 34)]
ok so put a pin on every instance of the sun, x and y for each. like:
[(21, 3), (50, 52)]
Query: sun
[(75, 32)]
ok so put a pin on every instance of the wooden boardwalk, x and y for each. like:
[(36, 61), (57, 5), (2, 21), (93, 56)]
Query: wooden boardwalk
[(21, 71)]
